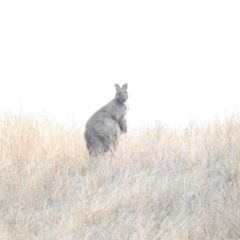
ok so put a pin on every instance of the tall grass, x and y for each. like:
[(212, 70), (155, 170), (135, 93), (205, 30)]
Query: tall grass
[(162, 184)]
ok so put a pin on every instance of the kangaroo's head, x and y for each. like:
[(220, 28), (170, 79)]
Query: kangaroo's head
[(121, 93)]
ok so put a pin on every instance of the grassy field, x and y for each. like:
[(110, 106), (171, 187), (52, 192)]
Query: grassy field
[(162, 183)]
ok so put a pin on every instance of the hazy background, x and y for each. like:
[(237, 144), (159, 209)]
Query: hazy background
[(181, 59)]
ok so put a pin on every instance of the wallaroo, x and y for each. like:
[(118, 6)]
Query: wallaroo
[(105, 126)]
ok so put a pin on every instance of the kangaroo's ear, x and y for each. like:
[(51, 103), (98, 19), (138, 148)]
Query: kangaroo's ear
[(125, 86), (117, 87)]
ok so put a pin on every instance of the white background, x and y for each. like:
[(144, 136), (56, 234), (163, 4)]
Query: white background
[(181, 59)]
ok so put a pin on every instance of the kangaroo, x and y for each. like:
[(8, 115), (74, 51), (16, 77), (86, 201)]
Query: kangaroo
[(104, 127)]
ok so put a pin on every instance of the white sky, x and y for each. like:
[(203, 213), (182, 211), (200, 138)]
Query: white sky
[(181, 59)]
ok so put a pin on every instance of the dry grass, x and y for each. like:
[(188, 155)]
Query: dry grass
[(162, 184)]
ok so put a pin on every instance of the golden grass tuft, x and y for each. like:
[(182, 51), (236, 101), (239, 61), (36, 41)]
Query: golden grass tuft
[(162, 184)]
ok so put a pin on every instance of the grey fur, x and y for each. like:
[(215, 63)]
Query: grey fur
[(105, 126)]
